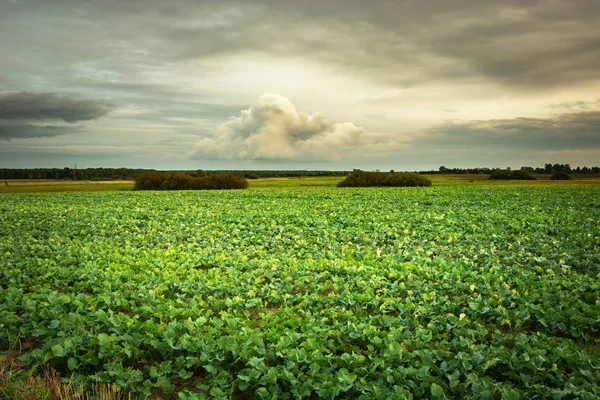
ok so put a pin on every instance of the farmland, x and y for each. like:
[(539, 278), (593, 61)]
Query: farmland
[(453, 291)]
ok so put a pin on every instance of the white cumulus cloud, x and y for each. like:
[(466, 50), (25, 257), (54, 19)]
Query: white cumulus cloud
[(272, 129)]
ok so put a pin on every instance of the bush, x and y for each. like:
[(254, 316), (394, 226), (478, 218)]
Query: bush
[(154, 180), (511, 175), (406, 179), (561, 176), (227, 181), (522, 175), (360, 178), (500, 174), (150, 180), (251, 175), (177, 181)]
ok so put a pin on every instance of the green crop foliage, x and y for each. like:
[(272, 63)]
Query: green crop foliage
[(371, 293)]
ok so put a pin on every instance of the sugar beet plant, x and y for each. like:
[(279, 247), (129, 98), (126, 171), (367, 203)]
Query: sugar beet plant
[(443, 292)]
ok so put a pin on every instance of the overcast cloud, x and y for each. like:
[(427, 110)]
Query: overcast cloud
[(381, 84)]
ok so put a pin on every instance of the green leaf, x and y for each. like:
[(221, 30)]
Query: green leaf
[(263, 393), (511, 394), (48, 356), (437, 392), (58, 350), (72, 364)]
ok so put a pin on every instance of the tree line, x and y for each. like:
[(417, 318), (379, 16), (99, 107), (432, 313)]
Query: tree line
[(132, 173), (546, 169)]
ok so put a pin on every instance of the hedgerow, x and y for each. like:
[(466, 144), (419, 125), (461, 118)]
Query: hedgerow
[(154, 180), (561, 176), (359, 178), (519, 174)]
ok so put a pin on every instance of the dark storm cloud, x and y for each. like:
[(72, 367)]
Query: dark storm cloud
[(21, 130), (36, 115), (575, 131), (51, 106)]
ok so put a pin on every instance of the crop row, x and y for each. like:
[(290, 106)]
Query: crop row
[(357, 293)]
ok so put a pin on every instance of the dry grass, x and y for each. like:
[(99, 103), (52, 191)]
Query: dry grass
[(53, 186), (16, 382)]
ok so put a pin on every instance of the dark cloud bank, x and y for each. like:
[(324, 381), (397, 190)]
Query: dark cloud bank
[(51, 106), (28, 114), (573, 131)]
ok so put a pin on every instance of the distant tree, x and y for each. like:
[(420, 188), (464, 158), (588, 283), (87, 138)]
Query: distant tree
[(521, 175), (511, 175), (360, 178), (177, 181), (561, 176), (150, 180), (499, 174), (154, 180), (227, 181), (251, 175)]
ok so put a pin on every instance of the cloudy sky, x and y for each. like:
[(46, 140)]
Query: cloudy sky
[(312, 84)]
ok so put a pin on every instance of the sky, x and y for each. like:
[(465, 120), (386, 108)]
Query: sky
[(312, 84)]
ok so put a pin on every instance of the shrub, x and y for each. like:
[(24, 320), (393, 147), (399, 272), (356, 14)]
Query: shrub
[(251, 175), (201, 183), (360, 178), (500, 174), (227, 181), (522, 175), (150, 180), (406, 179), (220, 181), (511, 175), (561, 176), (177, 181), (154, 180)]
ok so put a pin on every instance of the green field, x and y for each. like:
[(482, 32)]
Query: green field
[(458, 291), (55, 186)]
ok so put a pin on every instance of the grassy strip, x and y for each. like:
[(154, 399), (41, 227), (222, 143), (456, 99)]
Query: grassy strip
[(41, 186), (300, 182), (10, 187), (16, 382)]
